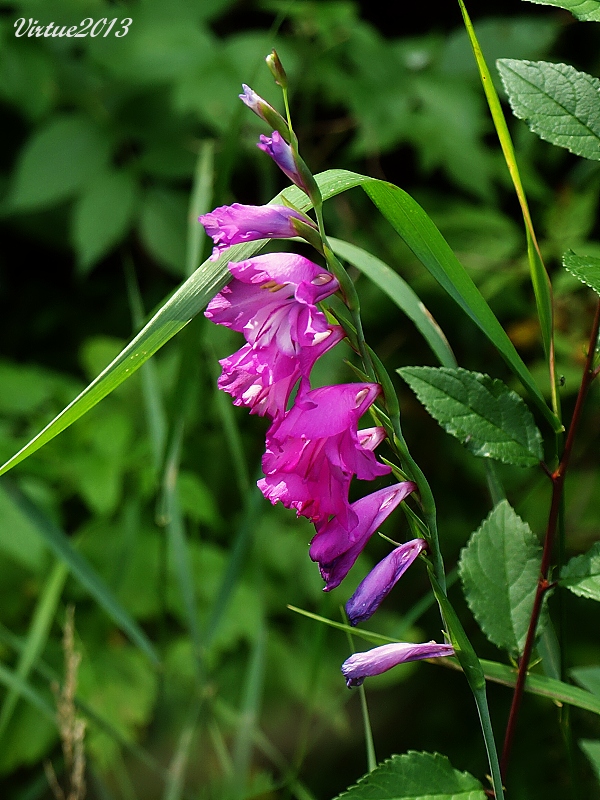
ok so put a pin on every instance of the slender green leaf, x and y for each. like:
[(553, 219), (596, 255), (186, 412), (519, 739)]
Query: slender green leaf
[(484, 414), (253, 689), (588, 677), (539, 277), (406, 216), (585, 268), (558, 103), (416, 776), (36, 639), (427, 243), (15, 683), (585, 10), (81, 570), (581, 575), (398, 290), (369, 636), (499, 569), (591, 747), (541, 685)]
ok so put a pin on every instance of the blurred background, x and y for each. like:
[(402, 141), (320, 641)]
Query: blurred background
[(106, 144)]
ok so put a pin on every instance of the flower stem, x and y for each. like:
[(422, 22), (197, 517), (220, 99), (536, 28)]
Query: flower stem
[(543, 585)]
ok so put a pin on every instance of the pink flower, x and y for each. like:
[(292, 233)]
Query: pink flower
[(263, 378), (272, 301), (373, 590), (373, 662), (237, 223), (336, 545), (314, 450)]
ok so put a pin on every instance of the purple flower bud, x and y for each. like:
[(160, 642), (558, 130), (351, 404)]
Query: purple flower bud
[(291, 164), (373, 662), (238, 223), (381, 580), (338, 543), (264, 110)]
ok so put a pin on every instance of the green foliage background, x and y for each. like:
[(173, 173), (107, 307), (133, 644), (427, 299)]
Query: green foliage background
[(196, 678)]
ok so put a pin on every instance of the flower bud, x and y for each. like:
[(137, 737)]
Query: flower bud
[(277, 70)]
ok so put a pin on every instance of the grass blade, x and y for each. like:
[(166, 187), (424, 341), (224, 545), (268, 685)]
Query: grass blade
[(398, 290), (81, 570), (36, 640)]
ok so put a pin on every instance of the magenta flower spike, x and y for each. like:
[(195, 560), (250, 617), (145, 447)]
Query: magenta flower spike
[(373, 662), (314, 450), (336, 546), (263, 378), (381, 580), (238, 223), (272, 301)]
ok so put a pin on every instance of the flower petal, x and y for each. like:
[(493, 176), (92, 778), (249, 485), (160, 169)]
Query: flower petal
[(373, 662)]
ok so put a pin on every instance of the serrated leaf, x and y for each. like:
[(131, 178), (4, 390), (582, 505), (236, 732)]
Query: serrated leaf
[(585, 10), (58, 160), (483, 413), (102, 215), (581, 575), (585, 268), (499, 569), (416, 776), (558, 103)]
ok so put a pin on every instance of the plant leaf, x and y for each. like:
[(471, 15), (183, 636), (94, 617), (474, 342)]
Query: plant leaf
[(398, 290), (585, 268), (416, 776), (499, 569), (102, 215), (581, 575), (591, 747), (81, 570), (584, 10), (558, 103), (427, 243), (484, 414), (58, 160)]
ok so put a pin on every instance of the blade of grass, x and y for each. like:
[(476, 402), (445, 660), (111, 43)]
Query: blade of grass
[(539, 276), (37, 637), (81, 570), (242, 749), (398, 290), (177, 767), (369, 743), (14, 683), (200, 198)]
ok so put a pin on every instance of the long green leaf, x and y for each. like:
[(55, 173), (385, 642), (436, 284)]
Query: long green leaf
[(36, 638), (539, 276), (430, 247), (81, 570), (398, 290), (406, 216)]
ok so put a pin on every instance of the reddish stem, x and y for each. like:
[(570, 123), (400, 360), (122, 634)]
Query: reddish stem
[(543, 585)]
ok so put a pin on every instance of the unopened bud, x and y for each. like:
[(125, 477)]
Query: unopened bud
[(265, 111), (277, 70)]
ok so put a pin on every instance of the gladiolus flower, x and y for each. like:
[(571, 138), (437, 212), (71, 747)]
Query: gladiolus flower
[(272, 301), (381, 580), (337, 546), (289, 162), (238, 223), (373, 662), (314, 450), (263, 378)]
